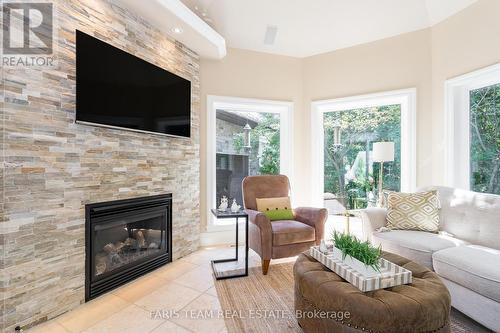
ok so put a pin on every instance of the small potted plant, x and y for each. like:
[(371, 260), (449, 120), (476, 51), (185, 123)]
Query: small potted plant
[(361, 256)]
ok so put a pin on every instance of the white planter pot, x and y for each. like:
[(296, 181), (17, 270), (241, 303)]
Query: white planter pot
[(355, 264)]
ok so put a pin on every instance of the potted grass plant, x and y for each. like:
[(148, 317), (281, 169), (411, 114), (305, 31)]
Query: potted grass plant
[(361, 256)]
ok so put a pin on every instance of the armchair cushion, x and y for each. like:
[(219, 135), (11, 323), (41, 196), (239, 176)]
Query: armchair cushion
[(265, 186), (314, 217), (291, 232)]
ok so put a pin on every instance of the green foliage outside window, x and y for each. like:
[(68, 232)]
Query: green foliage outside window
[(267, 133), (485, 139), (359, 129)]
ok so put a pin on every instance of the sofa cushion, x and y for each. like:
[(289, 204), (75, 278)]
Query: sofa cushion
[(470, 216), (291, 232), (472, 266), (415, 245)]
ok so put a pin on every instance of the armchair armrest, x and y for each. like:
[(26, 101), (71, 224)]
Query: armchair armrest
[(372, 218), (259, 219), (315, 217), (260, 235)]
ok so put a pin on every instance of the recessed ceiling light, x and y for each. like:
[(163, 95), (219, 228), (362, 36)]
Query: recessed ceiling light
[(177, 30)]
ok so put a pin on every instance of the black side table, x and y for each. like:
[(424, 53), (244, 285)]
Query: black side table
[(230, 215)]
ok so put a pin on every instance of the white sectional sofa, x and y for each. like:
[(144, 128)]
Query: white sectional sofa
[(466, 252)]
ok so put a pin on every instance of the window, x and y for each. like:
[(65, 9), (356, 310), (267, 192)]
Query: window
[(473, 131), (345, 171), (248, 143), (484, 127), (343, 133), (350, 175), (244, 137)]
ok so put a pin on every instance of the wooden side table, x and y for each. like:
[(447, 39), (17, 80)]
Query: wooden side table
[(230, 215)]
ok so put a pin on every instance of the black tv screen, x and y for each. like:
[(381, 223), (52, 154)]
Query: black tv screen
[(115, 88)]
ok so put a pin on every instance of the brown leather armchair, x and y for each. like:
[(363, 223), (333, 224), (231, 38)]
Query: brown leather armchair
[(279, 239)]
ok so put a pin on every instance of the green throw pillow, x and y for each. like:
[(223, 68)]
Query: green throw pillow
[(275, 208), (279, 214)]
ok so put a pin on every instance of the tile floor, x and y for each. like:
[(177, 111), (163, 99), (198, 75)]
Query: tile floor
[(186, 285)]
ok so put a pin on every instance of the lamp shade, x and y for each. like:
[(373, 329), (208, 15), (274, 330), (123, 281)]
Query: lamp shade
[(383, 151)]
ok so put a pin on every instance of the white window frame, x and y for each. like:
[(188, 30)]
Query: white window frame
[(214, 103), (456, 122), (405, 97)]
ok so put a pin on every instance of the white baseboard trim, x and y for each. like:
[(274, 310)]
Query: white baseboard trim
[(222, 237)]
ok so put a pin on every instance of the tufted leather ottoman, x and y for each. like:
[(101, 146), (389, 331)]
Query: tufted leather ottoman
[(324, 302)]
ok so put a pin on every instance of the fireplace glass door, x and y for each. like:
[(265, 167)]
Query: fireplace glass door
[(126, 240)]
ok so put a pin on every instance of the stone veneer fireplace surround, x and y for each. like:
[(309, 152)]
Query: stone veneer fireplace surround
[(54, 167)]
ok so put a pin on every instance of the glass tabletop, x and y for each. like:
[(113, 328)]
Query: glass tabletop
[(228, 213)]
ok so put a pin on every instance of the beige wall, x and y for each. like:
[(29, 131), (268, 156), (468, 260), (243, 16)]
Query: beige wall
[(423, 59), (395, 63), (463, 43)]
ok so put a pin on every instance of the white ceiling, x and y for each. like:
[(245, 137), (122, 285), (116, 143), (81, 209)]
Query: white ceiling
[(309, 27), (171, 15)]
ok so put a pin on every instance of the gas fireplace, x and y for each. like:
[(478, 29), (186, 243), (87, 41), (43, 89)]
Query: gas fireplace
[(126, 239)]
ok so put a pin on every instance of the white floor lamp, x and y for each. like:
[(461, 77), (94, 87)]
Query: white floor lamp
[(382, 152)]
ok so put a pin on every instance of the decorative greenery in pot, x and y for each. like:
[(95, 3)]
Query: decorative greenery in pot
[(363, 251)]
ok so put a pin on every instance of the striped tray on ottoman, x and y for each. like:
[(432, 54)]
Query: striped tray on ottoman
[(390, 274)]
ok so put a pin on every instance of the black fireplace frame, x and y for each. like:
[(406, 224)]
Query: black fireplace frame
[(140, 267)]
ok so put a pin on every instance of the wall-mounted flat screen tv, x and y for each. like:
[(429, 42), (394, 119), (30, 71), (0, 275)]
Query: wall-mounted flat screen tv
[(117, 89)]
